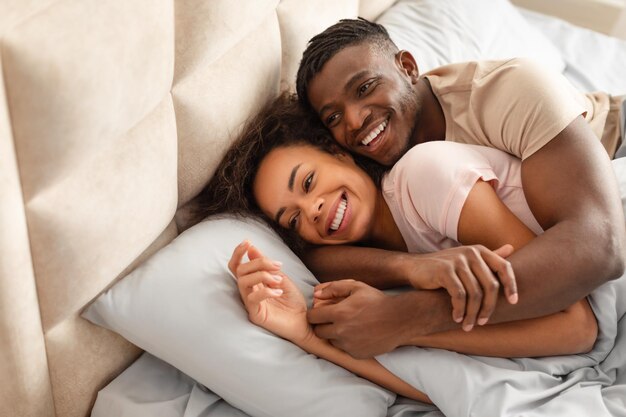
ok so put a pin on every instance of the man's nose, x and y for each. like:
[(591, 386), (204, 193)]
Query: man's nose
[(354, 117)]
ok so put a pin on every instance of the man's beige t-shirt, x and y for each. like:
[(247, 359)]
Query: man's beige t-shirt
[(516, 105)]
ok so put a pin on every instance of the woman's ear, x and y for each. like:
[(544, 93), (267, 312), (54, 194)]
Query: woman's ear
[(408, 65), (343, 155)]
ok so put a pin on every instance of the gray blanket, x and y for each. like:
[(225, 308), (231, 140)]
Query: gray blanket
[(592, 384)]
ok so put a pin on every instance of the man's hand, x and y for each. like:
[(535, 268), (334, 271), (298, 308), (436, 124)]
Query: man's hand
[(354, 317), (472, 275)]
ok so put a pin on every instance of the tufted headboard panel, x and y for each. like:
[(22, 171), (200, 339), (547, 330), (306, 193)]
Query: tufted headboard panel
[(113, 115)]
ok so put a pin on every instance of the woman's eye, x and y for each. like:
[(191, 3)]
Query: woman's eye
[(307, 182), (293, 222)]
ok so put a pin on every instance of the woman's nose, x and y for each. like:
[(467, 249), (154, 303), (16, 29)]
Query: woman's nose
[(315, 209)]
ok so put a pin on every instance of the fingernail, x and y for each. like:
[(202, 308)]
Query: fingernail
[(458, 319), (513, 298), (277, 264), (468, 327), (482, 321), (317, 293), (277, 278), (276, 291)]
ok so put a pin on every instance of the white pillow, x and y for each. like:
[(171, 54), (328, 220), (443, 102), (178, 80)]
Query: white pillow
[(182, 306), (442, 32)]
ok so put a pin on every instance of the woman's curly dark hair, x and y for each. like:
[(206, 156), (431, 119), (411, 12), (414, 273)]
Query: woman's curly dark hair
[(282, 122)]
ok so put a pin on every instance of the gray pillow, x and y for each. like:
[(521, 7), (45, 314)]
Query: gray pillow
[(182, 306)]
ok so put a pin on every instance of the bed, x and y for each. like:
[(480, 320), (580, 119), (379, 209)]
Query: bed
[(113, 116)]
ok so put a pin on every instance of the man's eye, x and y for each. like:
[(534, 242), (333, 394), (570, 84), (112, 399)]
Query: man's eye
[(364, 87), (331, 119), (307, 182)]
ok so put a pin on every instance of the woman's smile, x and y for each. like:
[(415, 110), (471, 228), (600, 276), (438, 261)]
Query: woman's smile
[(339, 215)]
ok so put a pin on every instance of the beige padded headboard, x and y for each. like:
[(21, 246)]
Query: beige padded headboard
[(113, 115)]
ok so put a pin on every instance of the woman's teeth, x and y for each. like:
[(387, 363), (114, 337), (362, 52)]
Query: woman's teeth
[(374, 133), (341, 210)]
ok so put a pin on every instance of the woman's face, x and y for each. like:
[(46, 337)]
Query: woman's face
[(326, 198)]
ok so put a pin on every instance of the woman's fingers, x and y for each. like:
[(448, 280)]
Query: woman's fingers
[(247, 282), (237, 256), (263, 293), (258, 264)]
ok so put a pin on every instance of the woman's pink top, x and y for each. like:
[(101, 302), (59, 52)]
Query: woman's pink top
[(427, 188)]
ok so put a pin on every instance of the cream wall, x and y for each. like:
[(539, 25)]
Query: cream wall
[(605, 16)]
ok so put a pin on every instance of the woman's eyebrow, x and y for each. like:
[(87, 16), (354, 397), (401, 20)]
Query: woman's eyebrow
[(292, 177), (279, 214)]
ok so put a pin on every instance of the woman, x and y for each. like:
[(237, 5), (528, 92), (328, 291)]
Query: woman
[(286, 168)]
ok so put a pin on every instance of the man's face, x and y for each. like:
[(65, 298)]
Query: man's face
[(366, 99)]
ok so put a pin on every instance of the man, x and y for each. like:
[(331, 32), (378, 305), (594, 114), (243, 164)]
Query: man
[(375, 103)]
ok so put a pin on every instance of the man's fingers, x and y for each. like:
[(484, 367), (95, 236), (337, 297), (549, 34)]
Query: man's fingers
[(335, 289), (323, 314), (318, 302), (503, 268), (457, 292), (474, 298), (491, 289), (325, 331)]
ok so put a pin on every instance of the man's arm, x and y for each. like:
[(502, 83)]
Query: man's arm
[(467, 273), (571, 189)]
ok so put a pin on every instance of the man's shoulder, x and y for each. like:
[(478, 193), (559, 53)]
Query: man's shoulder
[(472, 74)]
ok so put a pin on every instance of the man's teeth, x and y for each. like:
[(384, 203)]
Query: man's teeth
[(374, 133), (341, 210)]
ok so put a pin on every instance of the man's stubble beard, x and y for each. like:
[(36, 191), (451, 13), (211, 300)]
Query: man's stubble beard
[(411, 106)]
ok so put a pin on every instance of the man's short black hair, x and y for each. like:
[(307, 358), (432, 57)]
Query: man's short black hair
[(322, 47)]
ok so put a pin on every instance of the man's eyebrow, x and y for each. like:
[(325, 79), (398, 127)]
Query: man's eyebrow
[(354, 79), (346, 88)]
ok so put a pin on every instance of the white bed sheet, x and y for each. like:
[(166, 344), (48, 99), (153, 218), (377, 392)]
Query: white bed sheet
[(151, 387)]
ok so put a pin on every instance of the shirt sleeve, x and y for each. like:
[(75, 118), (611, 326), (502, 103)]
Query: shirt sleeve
[(434, 180), (523, 105)]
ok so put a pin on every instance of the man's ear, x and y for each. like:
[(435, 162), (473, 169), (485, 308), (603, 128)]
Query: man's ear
[(408, 65)]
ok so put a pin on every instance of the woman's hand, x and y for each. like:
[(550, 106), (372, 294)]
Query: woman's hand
[(270, 297)]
